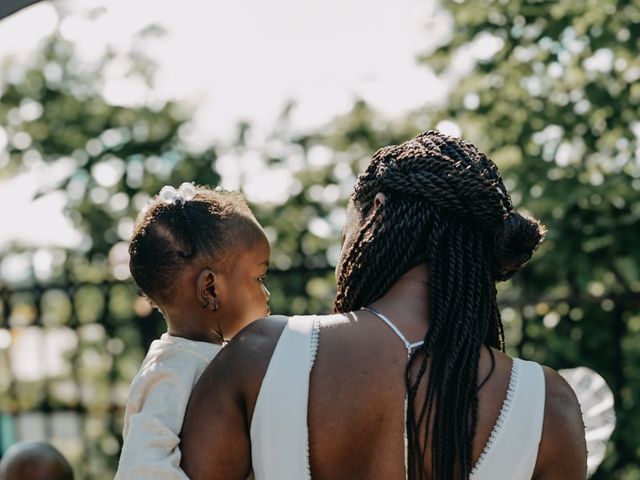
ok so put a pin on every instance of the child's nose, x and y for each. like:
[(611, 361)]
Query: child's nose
[(267, 293)]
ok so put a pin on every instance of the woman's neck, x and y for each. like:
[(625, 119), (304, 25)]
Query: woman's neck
[(407, 301)]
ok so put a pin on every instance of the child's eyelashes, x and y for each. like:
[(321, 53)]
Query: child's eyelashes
[(262, 279)]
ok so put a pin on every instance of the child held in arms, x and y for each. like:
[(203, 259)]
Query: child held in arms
[(201, 257)]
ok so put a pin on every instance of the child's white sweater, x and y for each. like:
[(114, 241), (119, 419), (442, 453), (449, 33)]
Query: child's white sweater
[(156, 406)]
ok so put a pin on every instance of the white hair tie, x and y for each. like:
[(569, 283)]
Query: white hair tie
[(184, 193)]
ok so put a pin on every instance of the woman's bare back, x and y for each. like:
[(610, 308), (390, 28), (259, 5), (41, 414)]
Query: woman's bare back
[(355, 408), (358, 380)]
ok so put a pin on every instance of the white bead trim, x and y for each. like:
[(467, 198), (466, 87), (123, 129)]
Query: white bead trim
[(315, 340), (504, 411), (313, 350)]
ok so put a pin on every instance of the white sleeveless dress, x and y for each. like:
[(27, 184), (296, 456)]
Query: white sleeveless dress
[(279, 435)]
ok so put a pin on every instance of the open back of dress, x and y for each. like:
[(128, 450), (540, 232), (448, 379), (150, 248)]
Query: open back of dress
[(279, 433)]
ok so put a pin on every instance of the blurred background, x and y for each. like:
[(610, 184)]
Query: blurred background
[(102, 103)]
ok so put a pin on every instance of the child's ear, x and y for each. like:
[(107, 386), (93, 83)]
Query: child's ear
[(206, 290)]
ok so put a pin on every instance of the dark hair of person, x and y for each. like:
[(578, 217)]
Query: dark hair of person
[(33, 459), (446, 205), (169, 235)]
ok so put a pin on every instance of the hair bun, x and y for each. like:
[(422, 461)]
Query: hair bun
[(517, 237)]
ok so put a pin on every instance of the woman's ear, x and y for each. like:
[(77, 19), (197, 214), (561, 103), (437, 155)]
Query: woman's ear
[(206, 290), (379, 199)]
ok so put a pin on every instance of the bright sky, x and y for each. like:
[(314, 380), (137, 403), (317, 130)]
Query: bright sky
[(237, 60)]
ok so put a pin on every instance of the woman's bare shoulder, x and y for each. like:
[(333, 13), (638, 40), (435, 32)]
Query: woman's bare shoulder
[(562, 410), (247, 355), (214, 439), (563, 451), (240, 366)]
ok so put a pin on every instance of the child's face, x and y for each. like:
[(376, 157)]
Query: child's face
[(245, 296)]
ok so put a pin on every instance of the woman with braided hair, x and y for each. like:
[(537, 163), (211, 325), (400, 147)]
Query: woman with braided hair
[(409, 378)]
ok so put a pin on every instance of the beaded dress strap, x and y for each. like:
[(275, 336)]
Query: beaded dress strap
[(407, 344)]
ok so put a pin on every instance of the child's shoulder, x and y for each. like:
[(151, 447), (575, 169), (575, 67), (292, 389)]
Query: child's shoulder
[(172, 346), (176, 353)]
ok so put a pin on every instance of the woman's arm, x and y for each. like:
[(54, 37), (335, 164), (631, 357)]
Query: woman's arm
[(215, 438), (563, 450)]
